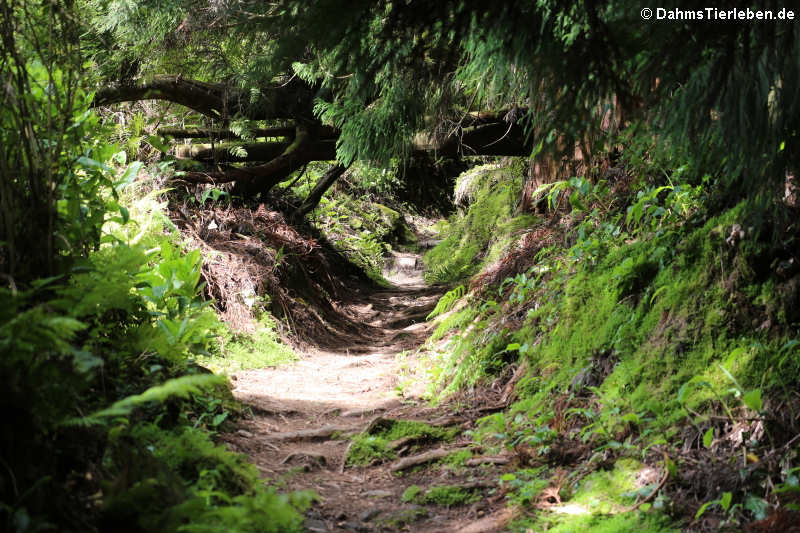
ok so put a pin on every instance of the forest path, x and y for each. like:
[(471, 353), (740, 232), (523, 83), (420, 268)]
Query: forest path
[(305, 412)]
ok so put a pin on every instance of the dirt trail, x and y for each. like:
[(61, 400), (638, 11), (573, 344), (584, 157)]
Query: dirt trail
[(304, 412)]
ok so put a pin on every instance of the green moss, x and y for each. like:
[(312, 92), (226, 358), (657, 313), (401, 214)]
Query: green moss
[(662, 308), (411, 493), (448, 496), (377, 445), (445, 495), (639, 521), (595, 503), (245, 351), (457, 459), (364, 230), (482, 233)]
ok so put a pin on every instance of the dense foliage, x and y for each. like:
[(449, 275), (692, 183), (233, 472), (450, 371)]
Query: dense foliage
[(640, 265)]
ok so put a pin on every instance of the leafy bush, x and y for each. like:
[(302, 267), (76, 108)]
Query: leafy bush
[(110, 348)]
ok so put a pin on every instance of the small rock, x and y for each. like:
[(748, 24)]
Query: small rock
[(312, 524), (244, 433), (378, 494), (366, 516), (353, 526)]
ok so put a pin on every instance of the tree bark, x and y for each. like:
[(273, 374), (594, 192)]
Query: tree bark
[(324, 150), (498, 139), (261, 178), (494, 133), (323, 132), (292, 100), (206, 133), (324, 183)]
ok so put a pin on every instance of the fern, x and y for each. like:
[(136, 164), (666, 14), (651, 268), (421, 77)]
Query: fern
[(181, 387), (447, 301)]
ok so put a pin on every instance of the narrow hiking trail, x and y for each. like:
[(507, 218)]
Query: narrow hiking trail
[(303, 414)]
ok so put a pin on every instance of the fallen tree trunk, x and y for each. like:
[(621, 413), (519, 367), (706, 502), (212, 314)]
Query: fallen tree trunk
[(492, 133), (262, 178), (292, 100), (321, 150), (208, 133), (325, 182), (323, 132)]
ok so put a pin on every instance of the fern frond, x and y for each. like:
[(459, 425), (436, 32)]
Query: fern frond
[(447, 301), (181, 387)]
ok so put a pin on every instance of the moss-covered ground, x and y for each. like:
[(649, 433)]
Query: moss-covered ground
[(378, 443), (656, 326)]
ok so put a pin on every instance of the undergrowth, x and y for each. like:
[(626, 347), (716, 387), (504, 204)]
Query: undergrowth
[(379, 443), (444, 495), (661, 322), (119, 433), (364, 229), (249, 350), (479, 235)]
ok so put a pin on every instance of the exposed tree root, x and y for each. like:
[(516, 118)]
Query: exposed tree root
[(427, 457), (488, 460), (312, 434)]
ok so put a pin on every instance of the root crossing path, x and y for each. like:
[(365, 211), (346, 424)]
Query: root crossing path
[(306, 415)]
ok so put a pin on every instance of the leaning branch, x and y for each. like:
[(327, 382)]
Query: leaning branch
[(266, 176), (293, 100), (323, 132), (206, 98), (325, 182)]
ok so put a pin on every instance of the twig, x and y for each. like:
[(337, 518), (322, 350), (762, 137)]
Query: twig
[(488, 460), (655, 491), (344, 457)]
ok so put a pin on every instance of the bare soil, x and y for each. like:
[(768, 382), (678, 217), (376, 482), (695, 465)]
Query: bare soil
[(304, 412)]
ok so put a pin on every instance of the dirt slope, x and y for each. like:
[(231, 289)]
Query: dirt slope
[(304, 412)]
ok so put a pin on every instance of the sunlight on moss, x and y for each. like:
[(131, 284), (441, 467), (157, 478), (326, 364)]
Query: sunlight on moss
[(245, 351)]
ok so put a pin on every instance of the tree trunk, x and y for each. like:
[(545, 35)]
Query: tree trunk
[(315, 151), (323, 132), (315, 195), (292, 100), (493, 133), (206, 133)]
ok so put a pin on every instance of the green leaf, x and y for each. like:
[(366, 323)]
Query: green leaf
[(729, 376), (726, 499), (88, 162), (219, 419), (708, 437), (180, 387), (126, 216), (514, 346), (752, 399), (703, 509), (157, 143), (632, 418), (683, 393), (129, 175), (757, 506)]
